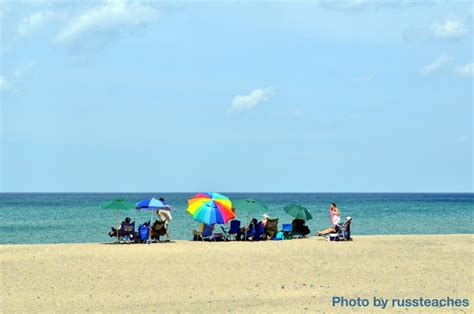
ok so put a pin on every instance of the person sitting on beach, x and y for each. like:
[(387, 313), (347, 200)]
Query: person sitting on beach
[(197, 233), (251, 231), (165, 215), (264, 221), (270, 227), (127, 228), (299, 227), (261, 227), (335, 215), (256, 230)]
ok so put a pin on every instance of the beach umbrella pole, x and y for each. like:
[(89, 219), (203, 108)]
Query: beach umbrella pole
[(247, 224), (150, 227), (117, 221)]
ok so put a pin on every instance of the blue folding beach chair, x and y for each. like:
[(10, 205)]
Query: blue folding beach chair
[(287, 230), (343, 232), (207, 233), (234, 230), (127, 232)]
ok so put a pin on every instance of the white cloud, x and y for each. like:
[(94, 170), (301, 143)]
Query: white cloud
[(10, 85), (3, 83), (449, 28), (34, 21), (465, 69), (247, 102), (435, 65), (111, 19)]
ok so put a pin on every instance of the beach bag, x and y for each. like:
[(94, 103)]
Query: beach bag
[(143, 232), (279, 236)]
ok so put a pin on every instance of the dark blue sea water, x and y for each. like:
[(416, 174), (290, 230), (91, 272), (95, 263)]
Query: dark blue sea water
[(77, 217)]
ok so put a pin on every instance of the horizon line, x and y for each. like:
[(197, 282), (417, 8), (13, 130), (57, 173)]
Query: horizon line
[(230, 192)]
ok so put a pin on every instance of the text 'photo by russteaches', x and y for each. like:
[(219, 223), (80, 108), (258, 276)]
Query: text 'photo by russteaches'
[(236, 156)]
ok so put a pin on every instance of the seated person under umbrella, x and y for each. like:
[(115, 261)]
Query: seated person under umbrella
[(299, 227), (256, 230), (127, 229), (206, 232), (270, 226), (198, 233)]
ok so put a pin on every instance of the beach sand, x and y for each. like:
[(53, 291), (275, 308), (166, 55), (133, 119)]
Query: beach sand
[(272, 276)]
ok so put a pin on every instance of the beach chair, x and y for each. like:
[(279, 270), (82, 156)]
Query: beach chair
[(300, 230), (158, 229), (287, 230), (344, 232), (234, 230), (127, 232), (207, 233), (271, 229)]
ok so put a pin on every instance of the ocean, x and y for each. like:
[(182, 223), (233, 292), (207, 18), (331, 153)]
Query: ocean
[(78, 218)]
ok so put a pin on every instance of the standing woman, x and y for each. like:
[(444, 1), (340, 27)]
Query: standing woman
[(165, 215), (335, 215)]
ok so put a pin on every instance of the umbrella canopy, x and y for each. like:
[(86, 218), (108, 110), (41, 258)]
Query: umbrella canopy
[(249, 205), (211, 208), (298, 212), (151, 204), (117, 203)]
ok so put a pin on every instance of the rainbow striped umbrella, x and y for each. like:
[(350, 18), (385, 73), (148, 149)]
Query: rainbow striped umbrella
[(211, 208)]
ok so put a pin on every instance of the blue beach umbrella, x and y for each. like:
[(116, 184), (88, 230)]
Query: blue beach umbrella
[(151, 204)]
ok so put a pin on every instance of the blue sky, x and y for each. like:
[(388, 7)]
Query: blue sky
[(346, 96)]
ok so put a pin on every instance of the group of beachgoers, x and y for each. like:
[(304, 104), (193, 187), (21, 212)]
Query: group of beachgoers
[(265, 229)]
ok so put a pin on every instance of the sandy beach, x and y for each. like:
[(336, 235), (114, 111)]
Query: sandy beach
[(272, 276)]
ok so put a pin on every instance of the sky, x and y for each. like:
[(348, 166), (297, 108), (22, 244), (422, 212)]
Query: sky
[(236, 96)]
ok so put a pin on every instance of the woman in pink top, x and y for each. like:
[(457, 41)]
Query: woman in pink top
[(335, 215)]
